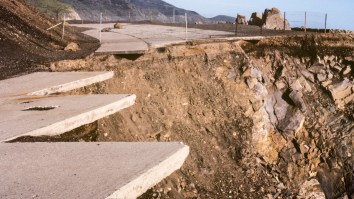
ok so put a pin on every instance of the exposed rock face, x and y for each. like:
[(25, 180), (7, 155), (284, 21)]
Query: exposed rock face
[(256, 19), (312, 189), (274, 20), (342, 93), (241, 19)]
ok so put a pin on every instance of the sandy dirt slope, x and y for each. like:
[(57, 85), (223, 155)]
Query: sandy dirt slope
[(25, 42)]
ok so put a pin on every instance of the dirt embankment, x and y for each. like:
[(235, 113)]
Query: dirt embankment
[(25, 42), (262, 120)]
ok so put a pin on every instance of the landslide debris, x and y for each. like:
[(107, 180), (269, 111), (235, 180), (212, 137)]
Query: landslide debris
[(26, 43), (266, 120)]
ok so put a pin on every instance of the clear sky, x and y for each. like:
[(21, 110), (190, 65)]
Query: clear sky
[(340, 12)]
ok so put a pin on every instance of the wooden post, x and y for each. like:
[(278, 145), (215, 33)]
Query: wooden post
[(284, 21), (305, 26), (64, 20), (186, 18), (262, 24), (174, 15), (236, 23), (101, 27), (326, 23)]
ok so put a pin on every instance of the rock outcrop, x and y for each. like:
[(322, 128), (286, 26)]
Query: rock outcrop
[(274, 20), (241, 20), (256, 19), (342, 93)]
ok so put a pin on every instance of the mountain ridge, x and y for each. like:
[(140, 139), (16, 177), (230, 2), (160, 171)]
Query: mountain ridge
[(118, 10)]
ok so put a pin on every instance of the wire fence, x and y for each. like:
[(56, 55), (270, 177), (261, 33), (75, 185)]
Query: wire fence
[(307, 20), (297, 20)]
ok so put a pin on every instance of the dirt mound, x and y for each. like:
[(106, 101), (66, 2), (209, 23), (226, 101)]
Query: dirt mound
[(25, 41)]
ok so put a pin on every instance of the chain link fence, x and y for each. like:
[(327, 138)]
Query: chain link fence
[(300, 21), (307, 21)]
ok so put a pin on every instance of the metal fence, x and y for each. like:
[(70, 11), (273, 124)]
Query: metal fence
[(298, 20), (307, 20)]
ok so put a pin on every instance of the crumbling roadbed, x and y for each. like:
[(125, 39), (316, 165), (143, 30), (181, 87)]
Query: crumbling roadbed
[(272, 119)]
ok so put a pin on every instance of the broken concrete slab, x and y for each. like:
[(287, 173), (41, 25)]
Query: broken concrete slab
[(45, 83), (54, 115), (86, 170)]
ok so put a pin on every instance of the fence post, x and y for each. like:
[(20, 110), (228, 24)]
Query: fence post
[(236, 23), (284, 21), (305, 21), (326, 23), (101, 27), (174, 15), (186, 18), (262, 24), (64, 20)]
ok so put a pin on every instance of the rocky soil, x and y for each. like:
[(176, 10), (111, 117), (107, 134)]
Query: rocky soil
[(26, 44), (272, 119)]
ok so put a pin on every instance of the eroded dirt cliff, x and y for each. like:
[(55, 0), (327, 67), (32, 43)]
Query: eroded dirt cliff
[(267, 119)]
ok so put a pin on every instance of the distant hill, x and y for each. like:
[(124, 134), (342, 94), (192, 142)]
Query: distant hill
[(223, 18), (155, 10)]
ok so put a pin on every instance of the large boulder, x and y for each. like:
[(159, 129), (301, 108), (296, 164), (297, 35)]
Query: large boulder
[(274, 20), (256, 19), (241, 19)]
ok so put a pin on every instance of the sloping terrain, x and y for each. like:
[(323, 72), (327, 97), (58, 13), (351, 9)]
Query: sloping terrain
[(155, 10), (25, 41), (263, 120)]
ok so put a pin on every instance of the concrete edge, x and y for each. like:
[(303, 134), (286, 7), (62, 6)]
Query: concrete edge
[(75, 84), (139, 52), (153, 176), (80, 120)]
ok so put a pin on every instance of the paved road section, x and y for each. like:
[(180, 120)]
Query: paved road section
[(85, 170), (45, 83), (55, 115), (138, 38), (27, 109)]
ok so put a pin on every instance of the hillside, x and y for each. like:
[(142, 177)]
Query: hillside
[(154, 10), (223, 18), (25, 41)]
